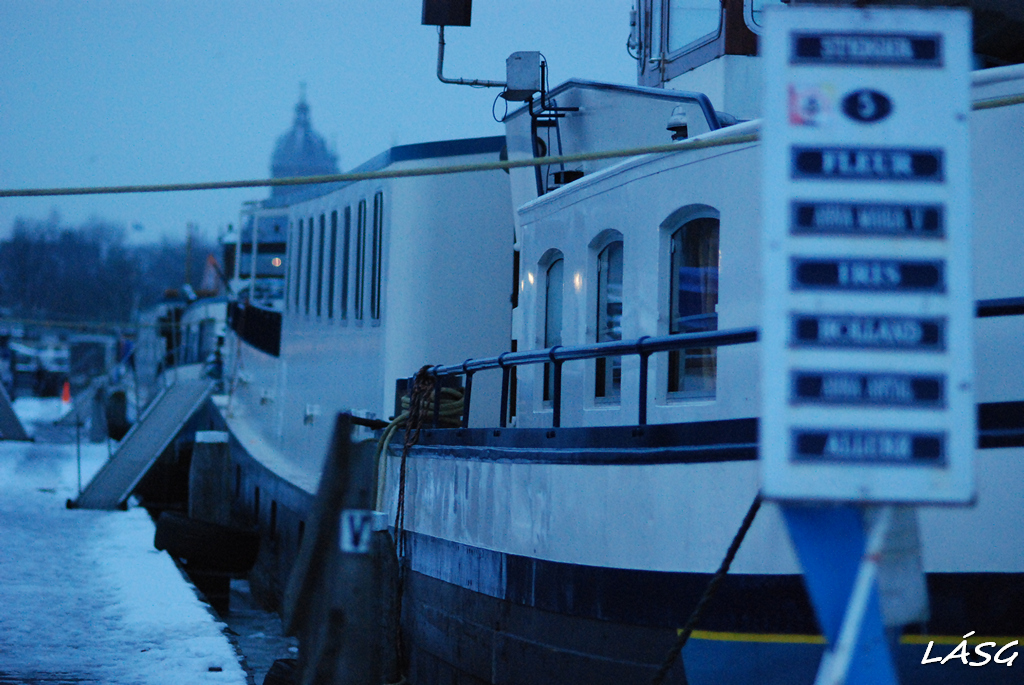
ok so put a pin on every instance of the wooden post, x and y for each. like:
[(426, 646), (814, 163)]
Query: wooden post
[(209, 478), (341, 598)]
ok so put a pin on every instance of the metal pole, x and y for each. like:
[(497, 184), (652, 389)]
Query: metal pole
[(506, 374), (556, 400), (78, 451), (465, 399), (642, 417)]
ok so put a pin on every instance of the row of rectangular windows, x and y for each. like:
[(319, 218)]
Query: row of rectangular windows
[(311, 245)]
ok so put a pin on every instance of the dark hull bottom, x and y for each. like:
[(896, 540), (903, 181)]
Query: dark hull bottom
[(457, 636)]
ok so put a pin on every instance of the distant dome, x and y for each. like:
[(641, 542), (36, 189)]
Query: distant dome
[(301, 152)]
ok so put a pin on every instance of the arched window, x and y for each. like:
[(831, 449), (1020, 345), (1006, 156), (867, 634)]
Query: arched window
[(693, 304), (608, 370), (554, 282)]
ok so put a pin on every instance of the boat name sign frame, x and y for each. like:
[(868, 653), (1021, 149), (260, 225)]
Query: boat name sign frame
[(867, 373)]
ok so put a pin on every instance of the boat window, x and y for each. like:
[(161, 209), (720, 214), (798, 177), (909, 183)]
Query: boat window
[(690, 21), (288, 271), (360, 260), (320, 267), (608, 376), (309, 265), (553, 295), (693, 305), (676, 36), (298, 265), (375, 262), (345, 237), (753, 11), (677, 25), (331, 263)]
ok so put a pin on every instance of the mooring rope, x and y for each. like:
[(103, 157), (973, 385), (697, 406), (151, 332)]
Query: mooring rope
[(709, 592), (417, 409)]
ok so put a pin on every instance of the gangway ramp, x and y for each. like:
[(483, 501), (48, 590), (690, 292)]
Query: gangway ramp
[(10, 425), (144, 444)]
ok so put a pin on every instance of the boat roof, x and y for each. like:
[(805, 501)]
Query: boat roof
[(399, 153), (657, 93)]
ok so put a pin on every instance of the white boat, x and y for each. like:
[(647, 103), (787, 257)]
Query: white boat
[(569, 528)]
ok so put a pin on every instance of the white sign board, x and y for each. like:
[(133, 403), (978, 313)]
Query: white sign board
[(867, 373), (355, 534)]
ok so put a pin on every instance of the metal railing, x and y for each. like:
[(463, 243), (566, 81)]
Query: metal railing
[(643, 347)]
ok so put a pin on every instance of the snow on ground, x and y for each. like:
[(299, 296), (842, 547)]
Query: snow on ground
[(83, 593), (39, 409)]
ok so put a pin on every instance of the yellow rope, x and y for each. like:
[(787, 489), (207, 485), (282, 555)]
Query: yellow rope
[(391, 173), (435, 171), (999, 102)]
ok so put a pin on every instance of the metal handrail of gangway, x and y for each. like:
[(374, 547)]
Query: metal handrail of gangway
[(642, 347)]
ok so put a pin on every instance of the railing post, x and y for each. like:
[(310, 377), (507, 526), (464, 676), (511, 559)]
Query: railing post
[(437, 400), (506, 375), (556, 395), (466, 395), (642, 412)]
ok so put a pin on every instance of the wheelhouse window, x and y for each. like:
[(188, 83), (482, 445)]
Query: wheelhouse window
[(676, 36), (694, 305), (554, 281), (689, 21), (360, 260), (331, 263), (376, 255), (672, 27), (608, 370), (753, 11)]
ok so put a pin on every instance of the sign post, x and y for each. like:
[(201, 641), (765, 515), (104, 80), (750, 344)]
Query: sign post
[(867, 374)]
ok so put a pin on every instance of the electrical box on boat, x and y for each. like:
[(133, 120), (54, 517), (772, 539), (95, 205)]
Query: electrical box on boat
[(522, 76), (867, 368)]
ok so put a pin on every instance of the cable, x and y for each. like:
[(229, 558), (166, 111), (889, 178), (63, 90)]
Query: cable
[(392, 173), (709, 593), (493, 116), (432, 171)]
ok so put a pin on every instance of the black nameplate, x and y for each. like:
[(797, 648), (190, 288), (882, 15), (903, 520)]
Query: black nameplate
[(886, 49), (867, 164), (905, 333), (870, 219), (868, 446), (868, 389), (873, 275)]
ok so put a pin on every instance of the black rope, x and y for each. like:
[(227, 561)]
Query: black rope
[(419, 398), (709, 592)]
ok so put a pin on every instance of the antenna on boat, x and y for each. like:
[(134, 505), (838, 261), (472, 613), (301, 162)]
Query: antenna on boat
[(441, 13)]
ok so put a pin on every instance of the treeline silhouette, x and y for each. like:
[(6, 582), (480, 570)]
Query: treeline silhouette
[(89, 272)]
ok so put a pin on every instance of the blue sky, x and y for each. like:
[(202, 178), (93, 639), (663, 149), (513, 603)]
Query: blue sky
[(116, 92)]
